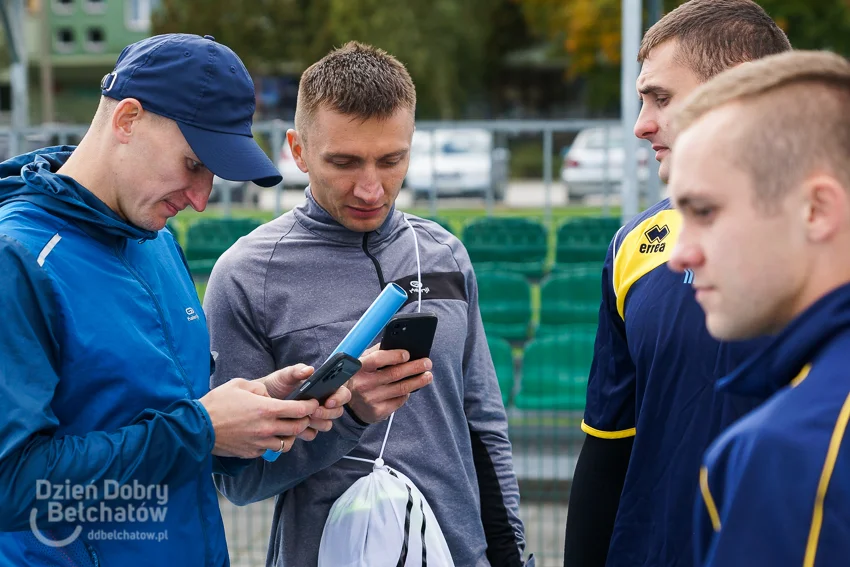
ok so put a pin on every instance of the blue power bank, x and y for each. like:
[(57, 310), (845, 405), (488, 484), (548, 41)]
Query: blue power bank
[(365, 330)]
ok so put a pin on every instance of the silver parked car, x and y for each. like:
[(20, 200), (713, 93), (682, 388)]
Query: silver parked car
[(584, 170), (456, 162)]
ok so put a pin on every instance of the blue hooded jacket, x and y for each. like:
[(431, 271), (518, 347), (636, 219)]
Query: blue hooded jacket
[(104, 352), (775, 487)]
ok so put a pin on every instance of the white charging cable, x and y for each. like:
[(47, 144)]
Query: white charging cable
[(379, 462)]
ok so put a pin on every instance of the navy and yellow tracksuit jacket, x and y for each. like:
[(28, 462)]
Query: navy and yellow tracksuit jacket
[(775, 488), (653, 377)]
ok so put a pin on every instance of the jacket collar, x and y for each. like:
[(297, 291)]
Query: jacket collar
[(32, 177), (317, 220), (783, 358)]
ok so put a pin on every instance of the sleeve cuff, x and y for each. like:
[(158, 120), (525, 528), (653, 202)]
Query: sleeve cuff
[(353, 416), (203, 411), (607, 434), (229, 466), (349, 426)]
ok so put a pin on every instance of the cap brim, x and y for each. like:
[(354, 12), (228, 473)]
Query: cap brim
[(231, 156)]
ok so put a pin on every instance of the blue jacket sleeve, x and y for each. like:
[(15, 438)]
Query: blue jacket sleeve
[(610, 409), (158, 447)]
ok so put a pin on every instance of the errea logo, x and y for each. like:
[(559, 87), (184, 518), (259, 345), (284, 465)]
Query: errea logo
[(655, 236)]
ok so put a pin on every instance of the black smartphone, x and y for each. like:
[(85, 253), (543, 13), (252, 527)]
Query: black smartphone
[(413, 332), (327, 378)]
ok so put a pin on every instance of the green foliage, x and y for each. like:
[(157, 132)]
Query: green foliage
[(262, 32), (527, 160), (450, 47), (588, 31), (440, 41)]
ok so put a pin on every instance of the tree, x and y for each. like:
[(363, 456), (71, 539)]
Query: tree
[(265, 33), (440, 41), (443, 43), (588, 31)]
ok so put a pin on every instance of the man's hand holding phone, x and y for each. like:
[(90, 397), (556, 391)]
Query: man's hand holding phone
[(282, 383), (251, 417), (385, 381)]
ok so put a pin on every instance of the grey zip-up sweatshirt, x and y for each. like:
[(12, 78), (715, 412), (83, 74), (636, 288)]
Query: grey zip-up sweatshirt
[(288, 293)]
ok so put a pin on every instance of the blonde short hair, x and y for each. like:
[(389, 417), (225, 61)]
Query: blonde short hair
[(796, 117)]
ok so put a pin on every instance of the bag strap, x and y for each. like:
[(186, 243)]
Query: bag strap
[(379, 462)]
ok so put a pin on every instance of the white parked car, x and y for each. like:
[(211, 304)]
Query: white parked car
[(292, 176), (241, 192), (584, 170), (456, 162)]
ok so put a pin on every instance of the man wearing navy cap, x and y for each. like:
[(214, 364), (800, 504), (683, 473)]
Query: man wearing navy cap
[(110, 433)]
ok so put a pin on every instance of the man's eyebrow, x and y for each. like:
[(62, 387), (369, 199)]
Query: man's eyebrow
[(397, 153), (682, 202), (691, 198), (650, 89), (352, 157), (342, 156)]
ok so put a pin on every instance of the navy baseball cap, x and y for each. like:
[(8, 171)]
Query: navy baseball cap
[(204, 87)]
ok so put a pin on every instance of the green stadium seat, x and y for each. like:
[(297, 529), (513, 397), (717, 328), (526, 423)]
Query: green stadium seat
[(172, 225), (503, 360), (207, 239), (505, 302), (508, 244), (571, 297), (555, 371), (584, 239)]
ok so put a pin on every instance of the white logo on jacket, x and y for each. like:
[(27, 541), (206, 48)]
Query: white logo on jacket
[(415, 286), (191, 315)]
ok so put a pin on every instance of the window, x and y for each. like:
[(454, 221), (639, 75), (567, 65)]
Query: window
[(95, 39), (137, 14), (65, 41), (63, 7), (94, 6)]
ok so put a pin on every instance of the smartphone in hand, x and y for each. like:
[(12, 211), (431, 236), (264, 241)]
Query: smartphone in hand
[(327, 379), (413, 332)]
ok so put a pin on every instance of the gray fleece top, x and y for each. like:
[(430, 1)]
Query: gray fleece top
[(288, 293)]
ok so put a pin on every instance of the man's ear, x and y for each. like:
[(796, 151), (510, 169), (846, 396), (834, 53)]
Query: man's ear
[(826, 207), (296, 145), (125, 118)]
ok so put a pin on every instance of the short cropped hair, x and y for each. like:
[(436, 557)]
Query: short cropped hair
[(714, 35), (357, 80), (796, 118)]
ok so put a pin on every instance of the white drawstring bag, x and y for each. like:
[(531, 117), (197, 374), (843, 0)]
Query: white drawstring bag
[(383, 520)]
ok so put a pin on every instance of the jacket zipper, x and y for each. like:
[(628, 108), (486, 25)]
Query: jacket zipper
[(374, 261), (95, 560)]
